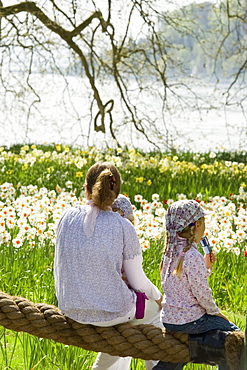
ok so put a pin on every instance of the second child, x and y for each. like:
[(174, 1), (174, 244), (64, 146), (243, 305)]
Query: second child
[(188, 305)]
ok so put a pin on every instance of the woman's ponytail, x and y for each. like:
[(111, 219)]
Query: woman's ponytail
[(103, 183), (103, 194)]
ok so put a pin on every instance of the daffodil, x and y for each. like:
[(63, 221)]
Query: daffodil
[(79, 174), (138, 198), (140, 179)]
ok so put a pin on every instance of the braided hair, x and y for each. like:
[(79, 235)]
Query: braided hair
[(188, 233)]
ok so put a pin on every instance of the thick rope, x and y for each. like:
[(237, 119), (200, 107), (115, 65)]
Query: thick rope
[(139, 341)]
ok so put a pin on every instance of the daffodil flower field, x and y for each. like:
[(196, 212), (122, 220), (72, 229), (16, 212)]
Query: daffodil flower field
[(38, 183)]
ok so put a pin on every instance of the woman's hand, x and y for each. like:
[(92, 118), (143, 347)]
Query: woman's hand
[(209, 260), (159, 301)]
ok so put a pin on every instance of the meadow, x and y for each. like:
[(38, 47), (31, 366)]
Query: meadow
[(39, 182)]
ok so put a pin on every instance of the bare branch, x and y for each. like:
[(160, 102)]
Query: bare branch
[(32, 8), (86, 23)]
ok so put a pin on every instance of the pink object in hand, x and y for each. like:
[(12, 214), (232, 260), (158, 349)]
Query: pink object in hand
[(140, 304)]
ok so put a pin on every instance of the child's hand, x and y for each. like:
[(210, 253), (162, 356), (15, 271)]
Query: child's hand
[(209, 260), (159, 302), (223, 316)]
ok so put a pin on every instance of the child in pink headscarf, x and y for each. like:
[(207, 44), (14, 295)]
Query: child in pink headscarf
[(188, 305)]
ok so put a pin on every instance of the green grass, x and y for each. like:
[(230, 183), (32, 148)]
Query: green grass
[(30, 275), (28, 271), (21, 351)]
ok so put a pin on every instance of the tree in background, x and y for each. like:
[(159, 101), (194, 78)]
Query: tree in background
[(110, 61)]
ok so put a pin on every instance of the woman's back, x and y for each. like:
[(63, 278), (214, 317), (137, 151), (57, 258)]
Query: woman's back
[(87, 271)]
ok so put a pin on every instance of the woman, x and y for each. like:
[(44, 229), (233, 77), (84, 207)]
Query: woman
[(93, 244)]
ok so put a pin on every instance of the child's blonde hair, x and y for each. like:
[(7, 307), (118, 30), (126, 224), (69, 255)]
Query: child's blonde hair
[(181, 220), (189, 234)]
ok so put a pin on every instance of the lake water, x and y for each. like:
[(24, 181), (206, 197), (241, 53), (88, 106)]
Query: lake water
[(62, 116)]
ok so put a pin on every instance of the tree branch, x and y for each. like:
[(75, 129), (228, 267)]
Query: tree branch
[(86, 23), (32, 8)]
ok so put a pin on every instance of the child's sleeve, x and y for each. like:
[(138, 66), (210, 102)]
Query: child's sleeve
[(197, 275)]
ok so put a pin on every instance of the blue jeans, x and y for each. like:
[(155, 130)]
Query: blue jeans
[(202, 325)]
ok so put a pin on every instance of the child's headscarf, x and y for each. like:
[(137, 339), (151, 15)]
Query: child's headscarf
[(123, 203), (180, 214)]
